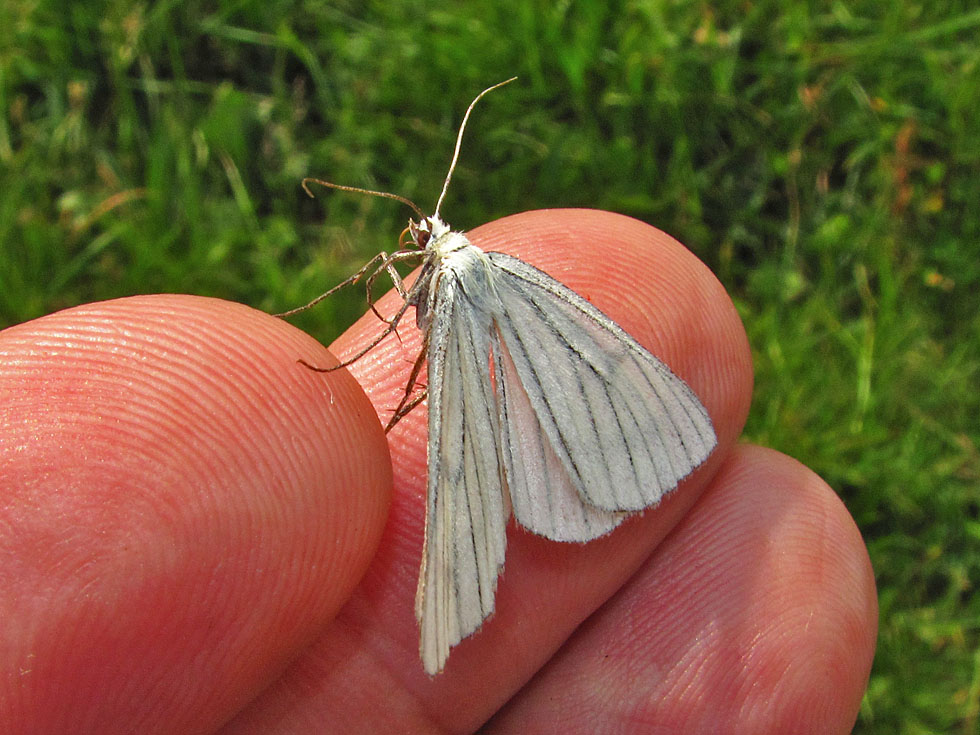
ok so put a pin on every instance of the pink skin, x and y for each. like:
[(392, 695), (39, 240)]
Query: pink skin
[(198, 535)]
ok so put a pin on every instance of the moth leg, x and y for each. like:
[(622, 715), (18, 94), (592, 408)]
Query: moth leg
[(392, 325), (387, 265), (405, 409), (382, 256), (408, 401)]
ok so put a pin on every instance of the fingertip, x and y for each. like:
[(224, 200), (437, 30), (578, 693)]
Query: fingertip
[(757, 614), (816, 595), (220, 499), (810, 616)]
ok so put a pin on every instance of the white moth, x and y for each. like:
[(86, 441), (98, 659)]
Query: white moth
[(538, 404)]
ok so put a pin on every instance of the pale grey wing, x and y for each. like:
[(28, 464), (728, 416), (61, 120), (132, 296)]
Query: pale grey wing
[(466, 515), (625, 429), (541, 492)]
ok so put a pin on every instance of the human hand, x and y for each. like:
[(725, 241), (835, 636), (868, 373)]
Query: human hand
[(196, 535)]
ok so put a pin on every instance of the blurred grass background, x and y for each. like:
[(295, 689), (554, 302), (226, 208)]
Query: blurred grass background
[(823, 158)]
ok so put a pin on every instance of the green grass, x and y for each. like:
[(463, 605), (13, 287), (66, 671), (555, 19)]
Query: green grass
[(823, 158)]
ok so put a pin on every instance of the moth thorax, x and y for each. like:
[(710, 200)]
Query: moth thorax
[(448, 242)]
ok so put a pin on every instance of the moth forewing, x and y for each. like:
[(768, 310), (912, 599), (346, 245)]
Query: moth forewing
[(465, 515)]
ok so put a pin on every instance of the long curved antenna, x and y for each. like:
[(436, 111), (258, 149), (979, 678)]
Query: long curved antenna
[(358, 190), (459, 140)]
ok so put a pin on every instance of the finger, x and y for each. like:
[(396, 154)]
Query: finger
[(758, 614), (183, 509), (671, 303)]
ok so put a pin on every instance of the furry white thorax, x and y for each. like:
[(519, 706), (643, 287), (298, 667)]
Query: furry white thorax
[(448, 251)]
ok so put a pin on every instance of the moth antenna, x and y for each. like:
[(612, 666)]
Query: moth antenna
[(358, 190), (459, 141)]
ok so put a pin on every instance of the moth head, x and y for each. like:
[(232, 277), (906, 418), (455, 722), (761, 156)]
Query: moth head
[(426, 230)]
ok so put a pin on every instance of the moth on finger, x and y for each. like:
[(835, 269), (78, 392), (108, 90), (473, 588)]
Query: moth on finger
[(538, 405)]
